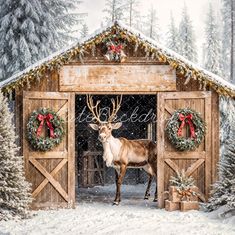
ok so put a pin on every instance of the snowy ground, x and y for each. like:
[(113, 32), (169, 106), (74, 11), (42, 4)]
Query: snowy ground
[(95, 214)]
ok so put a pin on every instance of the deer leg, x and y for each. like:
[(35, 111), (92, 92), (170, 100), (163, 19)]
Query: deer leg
[(155, 194), (118, 184), (147, 193)]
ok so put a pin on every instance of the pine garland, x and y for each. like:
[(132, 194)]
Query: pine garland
[(44, 144), (173, 125)]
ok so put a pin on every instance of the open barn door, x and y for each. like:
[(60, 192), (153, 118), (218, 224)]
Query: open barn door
[(51, 173), (196, 163)]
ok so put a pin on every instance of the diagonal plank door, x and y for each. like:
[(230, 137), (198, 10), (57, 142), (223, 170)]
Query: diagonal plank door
[(196, 163), (51, 173)]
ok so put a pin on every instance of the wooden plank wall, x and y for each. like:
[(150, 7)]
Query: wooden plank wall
[(51, 83)]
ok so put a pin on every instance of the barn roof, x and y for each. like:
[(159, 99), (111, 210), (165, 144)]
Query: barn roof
[(183, 66)]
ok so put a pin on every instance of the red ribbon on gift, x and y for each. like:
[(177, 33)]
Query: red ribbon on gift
[(186, 119), (116, 49), (48, 119)]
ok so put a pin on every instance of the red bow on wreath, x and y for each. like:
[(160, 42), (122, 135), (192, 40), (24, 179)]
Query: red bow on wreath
[(186, 119), (48, 119), (115, 49)]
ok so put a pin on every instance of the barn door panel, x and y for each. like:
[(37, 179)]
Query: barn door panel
[(51, 173), (196, 163)]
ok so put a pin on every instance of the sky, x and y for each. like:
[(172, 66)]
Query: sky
[(196, 8)]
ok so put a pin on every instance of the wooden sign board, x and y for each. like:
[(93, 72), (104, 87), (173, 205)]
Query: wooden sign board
[(120, 78)]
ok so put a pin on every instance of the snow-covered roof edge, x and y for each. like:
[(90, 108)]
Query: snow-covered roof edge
[(18, 75), (210, 77)]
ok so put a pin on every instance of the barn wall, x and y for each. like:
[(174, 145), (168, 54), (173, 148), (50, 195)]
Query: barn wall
[(51, 83)]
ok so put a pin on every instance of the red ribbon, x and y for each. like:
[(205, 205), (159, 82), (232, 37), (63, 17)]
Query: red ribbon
[(116, 49), (48, 119), (186, 119)]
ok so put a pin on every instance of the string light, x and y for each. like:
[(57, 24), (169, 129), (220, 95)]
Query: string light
[(152, 51)]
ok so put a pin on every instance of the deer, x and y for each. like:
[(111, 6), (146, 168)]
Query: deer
[(122, 153)]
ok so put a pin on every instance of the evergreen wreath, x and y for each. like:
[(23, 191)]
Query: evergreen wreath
[(55, 127), (189, 118)]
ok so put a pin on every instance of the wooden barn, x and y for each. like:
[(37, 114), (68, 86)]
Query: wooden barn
[(114, 60)]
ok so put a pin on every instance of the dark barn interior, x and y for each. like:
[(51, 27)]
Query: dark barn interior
[(138, 117)]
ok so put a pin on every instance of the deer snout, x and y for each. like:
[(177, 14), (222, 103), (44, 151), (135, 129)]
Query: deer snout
[(102, 137)]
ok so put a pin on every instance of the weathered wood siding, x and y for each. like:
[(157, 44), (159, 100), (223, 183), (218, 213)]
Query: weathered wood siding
[(50, 83), (117, 78), (196, 163)]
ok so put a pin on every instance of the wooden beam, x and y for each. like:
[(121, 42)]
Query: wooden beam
[(185, 155), (194, 166), (169, 109), (122, 78), (53, 182), (172, 165), (49, 154), (45, 181)]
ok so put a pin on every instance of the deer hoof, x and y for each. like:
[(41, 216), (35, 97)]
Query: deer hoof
[(115, 203)]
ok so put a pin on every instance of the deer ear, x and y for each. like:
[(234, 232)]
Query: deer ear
[(94, 126), (116, 125)]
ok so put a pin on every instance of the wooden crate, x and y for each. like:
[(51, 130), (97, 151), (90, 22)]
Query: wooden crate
[(191, 205), (175, 197), (172, 206)]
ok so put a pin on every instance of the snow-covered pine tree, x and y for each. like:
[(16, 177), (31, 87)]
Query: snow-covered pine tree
[(227, 121), (113, 10), (31, 30), (172, 41), (224, 190), (187, 47), (152, 28), (22, 29), (63, 19), (131, 12), (84, 30), (228, 39), (212, 46), (14, 190)]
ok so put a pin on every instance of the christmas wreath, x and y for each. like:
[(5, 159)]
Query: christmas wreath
[(193, 122), (55, 128)]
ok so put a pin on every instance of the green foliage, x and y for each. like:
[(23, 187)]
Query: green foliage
[(172, 127), (15, 196), (223, 192), (44, 144), (182, 181)]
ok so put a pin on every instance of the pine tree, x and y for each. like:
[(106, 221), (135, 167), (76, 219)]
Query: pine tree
[(228, 40), (152, 29), (14, 190), (84, 30), (172, 35), (227, 121), (61, 18), (113, 10), (212, 46), (187, 47), (31, 30), (224, 189), (131, 12), (21, 31)]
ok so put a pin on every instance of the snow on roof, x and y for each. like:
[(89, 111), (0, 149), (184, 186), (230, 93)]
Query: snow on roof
[(206, 75)]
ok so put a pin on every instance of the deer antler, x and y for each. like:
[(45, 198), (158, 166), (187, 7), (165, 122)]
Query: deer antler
[(116, 107), (93, 108)]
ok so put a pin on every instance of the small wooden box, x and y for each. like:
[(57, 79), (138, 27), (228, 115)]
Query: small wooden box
[(175, 197), (171, 206), (191, 205)]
